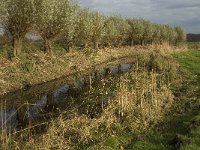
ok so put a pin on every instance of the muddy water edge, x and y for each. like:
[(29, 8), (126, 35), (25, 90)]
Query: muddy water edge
[(82, 93)]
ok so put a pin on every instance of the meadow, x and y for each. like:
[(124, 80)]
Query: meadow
[(155, 106)]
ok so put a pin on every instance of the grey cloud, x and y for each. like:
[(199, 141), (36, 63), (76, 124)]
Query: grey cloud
[(183, 6), (175, 12)]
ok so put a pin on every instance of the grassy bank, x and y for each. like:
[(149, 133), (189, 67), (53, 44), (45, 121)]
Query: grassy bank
[(190, 62), (193, 45), (35, 67), (142, 99), (155, 107), (179, 130)]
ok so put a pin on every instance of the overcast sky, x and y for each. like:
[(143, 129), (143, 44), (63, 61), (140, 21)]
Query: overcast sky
[(185, 13)]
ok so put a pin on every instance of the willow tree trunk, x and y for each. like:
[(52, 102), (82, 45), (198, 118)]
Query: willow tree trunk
[(67, 48), (108, 44), (48, 47), (132, 42), (96, 45), (161, 41), (176, 42), (85, 45), (152, 42), (142, 42), (17, 46)]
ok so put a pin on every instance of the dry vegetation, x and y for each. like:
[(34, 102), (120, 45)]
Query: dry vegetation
[(35, 68), (65, 24), (71, 39), (143, 97)]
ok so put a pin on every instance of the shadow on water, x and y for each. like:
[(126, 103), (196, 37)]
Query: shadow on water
[(87, 95)]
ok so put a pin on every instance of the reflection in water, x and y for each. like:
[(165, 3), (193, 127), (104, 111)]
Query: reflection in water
[(102, 73), (79, 83), (114, 70), (60, 93), (125, 68), (37, 108), (9, 118), (62, 96)]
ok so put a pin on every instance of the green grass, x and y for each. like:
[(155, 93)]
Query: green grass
[(183, 121), (194, 137), (188, 102), (110, 131), (190, 62), (193, 45)]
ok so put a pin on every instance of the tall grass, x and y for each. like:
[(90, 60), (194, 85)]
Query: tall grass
[(142, 99)]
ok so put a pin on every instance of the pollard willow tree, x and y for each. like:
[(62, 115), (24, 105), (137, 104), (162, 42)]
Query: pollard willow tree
[(136, 30), (2, 11), (53, 21), (172, 35), (19, 18), (68, 36), (163, 34), (83, 29), (147, 32), (122, 28), (97, 28), (181, 35), (111, 32), (156, 34), (2, 18)]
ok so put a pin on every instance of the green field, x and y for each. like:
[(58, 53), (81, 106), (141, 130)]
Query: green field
[(182, 129), (155, 107), (74, 78)]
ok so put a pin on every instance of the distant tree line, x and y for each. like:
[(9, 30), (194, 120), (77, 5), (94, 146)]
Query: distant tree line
[(65, 22), (193, 37)]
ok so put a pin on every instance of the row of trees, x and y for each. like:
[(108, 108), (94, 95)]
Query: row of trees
[(66, 22)]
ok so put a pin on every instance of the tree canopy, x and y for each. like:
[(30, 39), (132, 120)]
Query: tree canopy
[(65, 21)]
